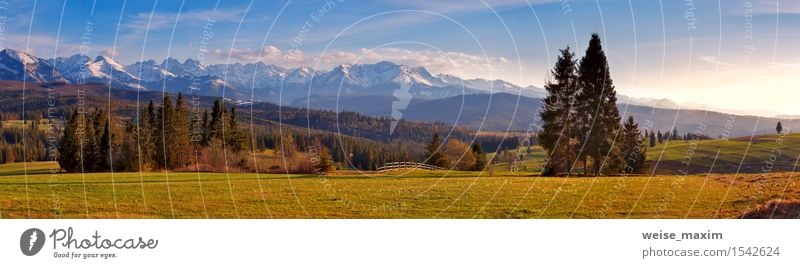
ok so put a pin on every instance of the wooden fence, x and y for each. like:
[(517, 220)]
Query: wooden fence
[(407, 165)]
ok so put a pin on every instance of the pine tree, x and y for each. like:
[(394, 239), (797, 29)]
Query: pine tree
[(181, 134), (68, 147), (675, 135), (779, 128), (652, 139), (204, 125), (163, 134), (104, 160), (216, 124), (235, 139), (434, 156), (90, 149), (632, 147), (146, 138), (556, 133), (598, 118), (325, 164), (480, 157)]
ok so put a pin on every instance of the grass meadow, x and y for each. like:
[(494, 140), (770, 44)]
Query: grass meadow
[(440, 194)]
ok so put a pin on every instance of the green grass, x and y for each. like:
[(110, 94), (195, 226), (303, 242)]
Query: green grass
[(765, 152), (43, 124), (429, 194), (773, 153), (529, 162)]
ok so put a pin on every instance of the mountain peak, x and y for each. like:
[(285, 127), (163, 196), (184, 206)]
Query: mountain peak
[(170, 62), (21, 56)]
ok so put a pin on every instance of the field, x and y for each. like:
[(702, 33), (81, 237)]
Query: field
[(352, 195), (757, 154), (42, 124)]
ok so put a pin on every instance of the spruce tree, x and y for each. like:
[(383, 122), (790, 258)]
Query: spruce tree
[(675, 134), (235, 139), (216, 124), (597, 115), (632, 149), (652, 139), (779, 128), (660, 137), (480, 157), (204, 125), (556, 133), (68, 147), (434, 156), (164, 156), (325, 164), (145, 138), (104, 160), (90, 149), (181, 134)]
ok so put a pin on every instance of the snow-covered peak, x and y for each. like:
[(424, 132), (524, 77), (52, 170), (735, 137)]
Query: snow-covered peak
[(193, 66), (381, 73), (362, 78), (18, 65), (301, 75), (21, 56), (109, 62)]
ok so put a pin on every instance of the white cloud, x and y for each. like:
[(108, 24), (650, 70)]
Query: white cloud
[(269, 54)]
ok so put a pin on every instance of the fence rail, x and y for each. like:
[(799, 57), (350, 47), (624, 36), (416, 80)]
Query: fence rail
[(407, 165)]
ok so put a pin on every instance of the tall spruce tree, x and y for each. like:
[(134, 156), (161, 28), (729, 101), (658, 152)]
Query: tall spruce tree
[(325, 164), (480, 157), (181, 134), (596, 108), (235, 139), (652, 139), (146, 138), (632, 147), (215, 125), (434, 156), (165, 157), (69, 147), (556, 134), (675, 135), (204, 127), (90, 149), (104, 162), (779, 128)]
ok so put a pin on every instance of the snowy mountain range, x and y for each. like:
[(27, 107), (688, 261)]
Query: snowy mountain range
[(256, 81)]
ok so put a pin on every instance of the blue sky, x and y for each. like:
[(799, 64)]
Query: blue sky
[(654, 52)]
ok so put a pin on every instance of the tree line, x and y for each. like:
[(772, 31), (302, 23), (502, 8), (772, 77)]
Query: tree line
[(161, 137), (454, 154)]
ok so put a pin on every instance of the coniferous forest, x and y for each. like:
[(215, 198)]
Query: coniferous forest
[(169, 135)]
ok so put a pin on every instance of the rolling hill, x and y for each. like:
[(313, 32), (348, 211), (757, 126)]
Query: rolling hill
[(749, 154), (502, 111)]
